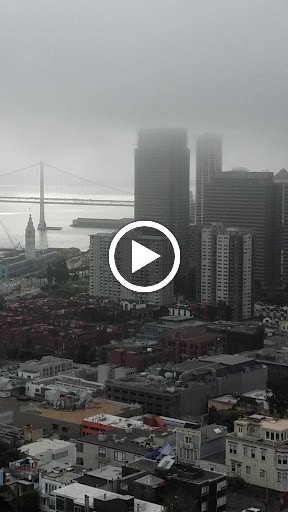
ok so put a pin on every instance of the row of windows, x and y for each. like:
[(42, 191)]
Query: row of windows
[(236, 468), (248, 451)]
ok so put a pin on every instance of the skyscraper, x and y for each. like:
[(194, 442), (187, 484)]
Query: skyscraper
[(226, 268), (208, 164), (280, 263), (30, 252), (162, 183), (245, 199)]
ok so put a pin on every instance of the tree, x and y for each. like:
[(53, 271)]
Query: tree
[(278, 396), (8, 453), (61, 272), (29, 502), (50, 273)]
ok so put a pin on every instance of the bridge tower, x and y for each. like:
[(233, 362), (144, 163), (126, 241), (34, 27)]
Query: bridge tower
[(42, 224)]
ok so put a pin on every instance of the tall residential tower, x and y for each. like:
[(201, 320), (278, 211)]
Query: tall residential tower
[(226, 269)]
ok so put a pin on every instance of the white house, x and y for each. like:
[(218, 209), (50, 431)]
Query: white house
[(47, 450)]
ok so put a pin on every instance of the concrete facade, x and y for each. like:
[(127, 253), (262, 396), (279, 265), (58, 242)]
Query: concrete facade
[(257, 451)]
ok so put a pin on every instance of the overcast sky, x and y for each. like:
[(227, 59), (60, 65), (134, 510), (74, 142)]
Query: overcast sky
[(79, 77)]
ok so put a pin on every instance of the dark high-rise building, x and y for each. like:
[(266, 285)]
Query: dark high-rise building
[(280, 264), (208, 164), (162, 183), (245, 199)]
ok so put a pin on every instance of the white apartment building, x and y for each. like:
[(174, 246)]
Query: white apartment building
[(47, 450), (257, 451), (227, 268), (102, 281)]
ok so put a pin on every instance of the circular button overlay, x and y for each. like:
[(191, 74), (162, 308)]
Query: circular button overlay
[(144, 224)]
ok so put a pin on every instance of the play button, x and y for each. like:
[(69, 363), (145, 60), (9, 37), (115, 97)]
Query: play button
[(134, 256), (142, 256)]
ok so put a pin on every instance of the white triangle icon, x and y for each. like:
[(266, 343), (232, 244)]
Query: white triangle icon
[(142, 256)]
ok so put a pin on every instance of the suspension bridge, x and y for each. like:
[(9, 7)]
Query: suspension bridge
[(48, 184)]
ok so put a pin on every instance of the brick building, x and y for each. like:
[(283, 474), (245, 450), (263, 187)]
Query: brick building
[(139, 359), (191, 341)]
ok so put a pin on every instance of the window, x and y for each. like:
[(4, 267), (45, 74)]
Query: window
[(79, 447), (233, 467), (204, 506), (205, 489), (221, 501), (124, 487), (253, 453), (272, 436), (240, 430), (79, 461), (60, 455), (262, 473), (55, 426), (263, 455), (221, 485), (248, 470), (65, 429), (282, 459), (102, 451), (119, 456), (188, 439), (233, 448), (245, 451), (60, 504)]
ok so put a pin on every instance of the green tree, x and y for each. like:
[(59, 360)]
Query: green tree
[(8, 453), (29, 502), (230, 417), (50, 273), (278, 396), (60, 270)]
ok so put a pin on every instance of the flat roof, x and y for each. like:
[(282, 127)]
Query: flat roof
[(106, 473), (228, 359), (136, 442), (227, 399), (77, 493), (43, 445), (266, 422), (75, 416), (63, 475), (117, 421)]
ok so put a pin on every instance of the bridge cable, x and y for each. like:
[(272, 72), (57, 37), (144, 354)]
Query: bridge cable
[(87, 180), (18, 170)]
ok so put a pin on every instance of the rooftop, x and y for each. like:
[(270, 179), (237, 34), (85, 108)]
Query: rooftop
[(266, 422), (63, 475), (138, 441), (228, 359), (77, 493), (95, 407), (106, 473), (43, 445), (117, 421), (227, 399)]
